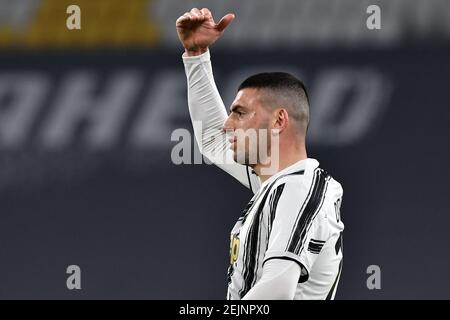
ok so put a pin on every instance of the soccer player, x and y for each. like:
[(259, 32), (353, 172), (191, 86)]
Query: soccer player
[(288, 242)]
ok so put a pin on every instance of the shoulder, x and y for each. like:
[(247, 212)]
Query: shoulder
[(290, 189), (303, 181), (311, 190)]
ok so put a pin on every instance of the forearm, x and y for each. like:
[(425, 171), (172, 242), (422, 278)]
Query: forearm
[(197, 31), (206, 107), (208, 115), (278, 282)]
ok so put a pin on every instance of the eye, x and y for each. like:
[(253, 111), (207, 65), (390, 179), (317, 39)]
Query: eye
[(239, 113)]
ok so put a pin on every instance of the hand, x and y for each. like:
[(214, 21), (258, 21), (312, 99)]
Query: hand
[(197, 30)]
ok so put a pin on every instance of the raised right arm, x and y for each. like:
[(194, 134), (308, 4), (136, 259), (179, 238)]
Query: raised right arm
[(197, 31)]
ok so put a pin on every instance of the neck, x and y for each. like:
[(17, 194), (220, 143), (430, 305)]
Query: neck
[(285, 159)]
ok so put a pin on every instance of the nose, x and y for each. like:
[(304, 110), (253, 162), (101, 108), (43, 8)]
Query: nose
[(227, 125)]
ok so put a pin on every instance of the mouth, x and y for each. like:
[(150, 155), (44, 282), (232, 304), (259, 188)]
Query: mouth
[(232, 141)]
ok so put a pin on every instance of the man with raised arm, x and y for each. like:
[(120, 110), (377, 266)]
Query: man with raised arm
[(288, 242)]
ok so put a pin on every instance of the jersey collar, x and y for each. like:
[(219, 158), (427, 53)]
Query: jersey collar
[(305, 164)]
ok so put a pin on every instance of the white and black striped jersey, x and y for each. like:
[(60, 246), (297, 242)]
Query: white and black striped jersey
[(292, 215), (295, 216)]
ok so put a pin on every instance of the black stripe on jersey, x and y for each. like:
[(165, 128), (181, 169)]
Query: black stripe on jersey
[(300, 172), (338, 243), (246, 210), (252, 241), (249, 181), (311, 210), (333, 287), (318, 210), (300, 246), (250, 257), (303, 205), (252, 202), (308, 211), (315, 246), (269, 216), (274, 203)]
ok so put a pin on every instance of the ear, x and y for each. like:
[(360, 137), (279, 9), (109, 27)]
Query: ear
[(281, 119)]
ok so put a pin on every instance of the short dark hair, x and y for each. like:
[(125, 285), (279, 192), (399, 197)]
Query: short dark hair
[(274, 80), (287, 90)]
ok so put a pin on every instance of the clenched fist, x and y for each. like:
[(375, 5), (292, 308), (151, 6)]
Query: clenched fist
[(197, 30)]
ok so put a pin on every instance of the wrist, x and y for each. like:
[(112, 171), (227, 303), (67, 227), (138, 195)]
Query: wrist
[(195, 52)]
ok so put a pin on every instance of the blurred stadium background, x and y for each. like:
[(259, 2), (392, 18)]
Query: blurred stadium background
[(86, 118)]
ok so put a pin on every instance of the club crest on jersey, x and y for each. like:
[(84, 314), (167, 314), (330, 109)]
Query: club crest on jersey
[(234, 248)]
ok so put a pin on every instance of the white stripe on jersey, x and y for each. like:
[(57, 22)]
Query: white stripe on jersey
[(294, 215)]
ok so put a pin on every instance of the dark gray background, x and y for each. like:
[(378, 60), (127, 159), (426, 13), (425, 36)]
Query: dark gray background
[(141, 227)]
